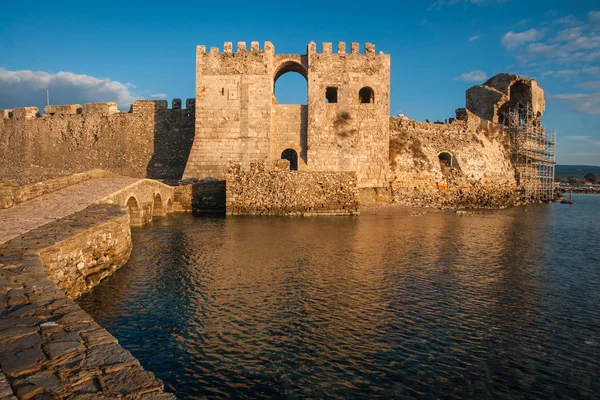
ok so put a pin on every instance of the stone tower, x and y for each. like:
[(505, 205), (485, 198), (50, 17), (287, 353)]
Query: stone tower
[(343, 127)]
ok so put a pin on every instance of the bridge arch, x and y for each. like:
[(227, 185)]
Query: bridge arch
[(135, 212)]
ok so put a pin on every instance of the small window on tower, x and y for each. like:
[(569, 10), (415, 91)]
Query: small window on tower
[(331, 95), (366, 95)]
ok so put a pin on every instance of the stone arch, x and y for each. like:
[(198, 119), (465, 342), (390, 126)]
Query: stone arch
[(366, 95), (135, 212), (169, 205), (157, 206), (294, 67), (292, 156), (449, 163)]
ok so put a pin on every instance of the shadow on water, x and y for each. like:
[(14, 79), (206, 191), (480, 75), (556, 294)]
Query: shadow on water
[(500, 304)]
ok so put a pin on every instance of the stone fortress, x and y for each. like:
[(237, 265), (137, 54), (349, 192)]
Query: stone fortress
[(74, 179), (235, 120)]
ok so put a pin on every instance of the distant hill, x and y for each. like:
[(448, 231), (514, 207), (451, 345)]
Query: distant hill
[(577, 171)]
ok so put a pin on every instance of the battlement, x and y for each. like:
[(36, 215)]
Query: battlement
[(326, 48), (20, 113), (63, 109), (95, 109), (241, 47)]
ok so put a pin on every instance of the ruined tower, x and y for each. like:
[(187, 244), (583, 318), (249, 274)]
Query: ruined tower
[(343, 127)]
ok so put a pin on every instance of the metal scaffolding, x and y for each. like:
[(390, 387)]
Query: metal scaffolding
[(532, 151)]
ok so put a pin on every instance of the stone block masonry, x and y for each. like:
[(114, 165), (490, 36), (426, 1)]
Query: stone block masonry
[(344, 127), (257, 191), (49, 347), (150, 141), (463, 164)]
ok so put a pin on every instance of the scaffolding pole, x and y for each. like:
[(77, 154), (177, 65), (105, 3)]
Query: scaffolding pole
[(533, 154)]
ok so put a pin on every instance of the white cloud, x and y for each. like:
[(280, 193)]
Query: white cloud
[(474, 38), (564, 73), (592, 85), (158, 96), (592, 70), (566, 20), (580, 102), (569, 34), (28, 88), (473, 76), (512, 39)]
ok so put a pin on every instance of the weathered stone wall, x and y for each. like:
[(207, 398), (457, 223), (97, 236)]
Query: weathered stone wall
[(257, 191), (349, 135), (78, 264), (233, 109), (480, 173), (238, 118), (49, 347), (152, 140)]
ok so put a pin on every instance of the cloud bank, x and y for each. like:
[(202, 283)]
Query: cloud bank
[(28, 88)]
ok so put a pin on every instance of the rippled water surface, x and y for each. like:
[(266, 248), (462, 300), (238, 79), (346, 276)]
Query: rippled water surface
[(498, 305)]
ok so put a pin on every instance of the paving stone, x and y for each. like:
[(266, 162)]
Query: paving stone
[(47, 380), (98, 338), (22, 362), (27, 392), (6, 392), (110, 355), (159, 396), (129, 381), (17, 332), (61, 349)]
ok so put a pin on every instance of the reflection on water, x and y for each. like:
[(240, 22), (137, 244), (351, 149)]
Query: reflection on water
[(502, 305)]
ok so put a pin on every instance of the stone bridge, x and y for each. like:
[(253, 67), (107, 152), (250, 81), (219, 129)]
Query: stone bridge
[(144, 199)]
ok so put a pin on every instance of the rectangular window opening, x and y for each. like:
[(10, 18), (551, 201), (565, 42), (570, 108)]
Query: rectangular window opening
[(331, 95)]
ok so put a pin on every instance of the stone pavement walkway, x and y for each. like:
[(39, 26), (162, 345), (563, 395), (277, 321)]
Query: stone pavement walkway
[(31, 214)]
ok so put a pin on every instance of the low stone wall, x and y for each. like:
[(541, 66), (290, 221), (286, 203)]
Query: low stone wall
[(11, 193), (284, 192), (81, 262), (49, 347)]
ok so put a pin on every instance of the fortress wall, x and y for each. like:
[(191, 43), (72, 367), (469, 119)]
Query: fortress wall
[(349, 135), (481, 174), (149, 141), (233, 109), (283, 192)]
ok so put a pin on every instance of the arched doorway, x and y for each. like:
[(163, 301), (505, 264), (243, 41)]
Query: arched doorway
[(445, 159), (290, 83), (292, 156)]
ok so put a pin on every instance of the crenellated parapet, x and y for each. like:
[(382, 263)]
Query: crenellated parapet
[(240, 48), (327, 48), (150, 140)]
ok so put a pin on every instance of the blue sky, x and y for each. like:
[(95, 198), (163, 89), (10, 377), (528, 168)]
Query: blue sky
[(103, 51)]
